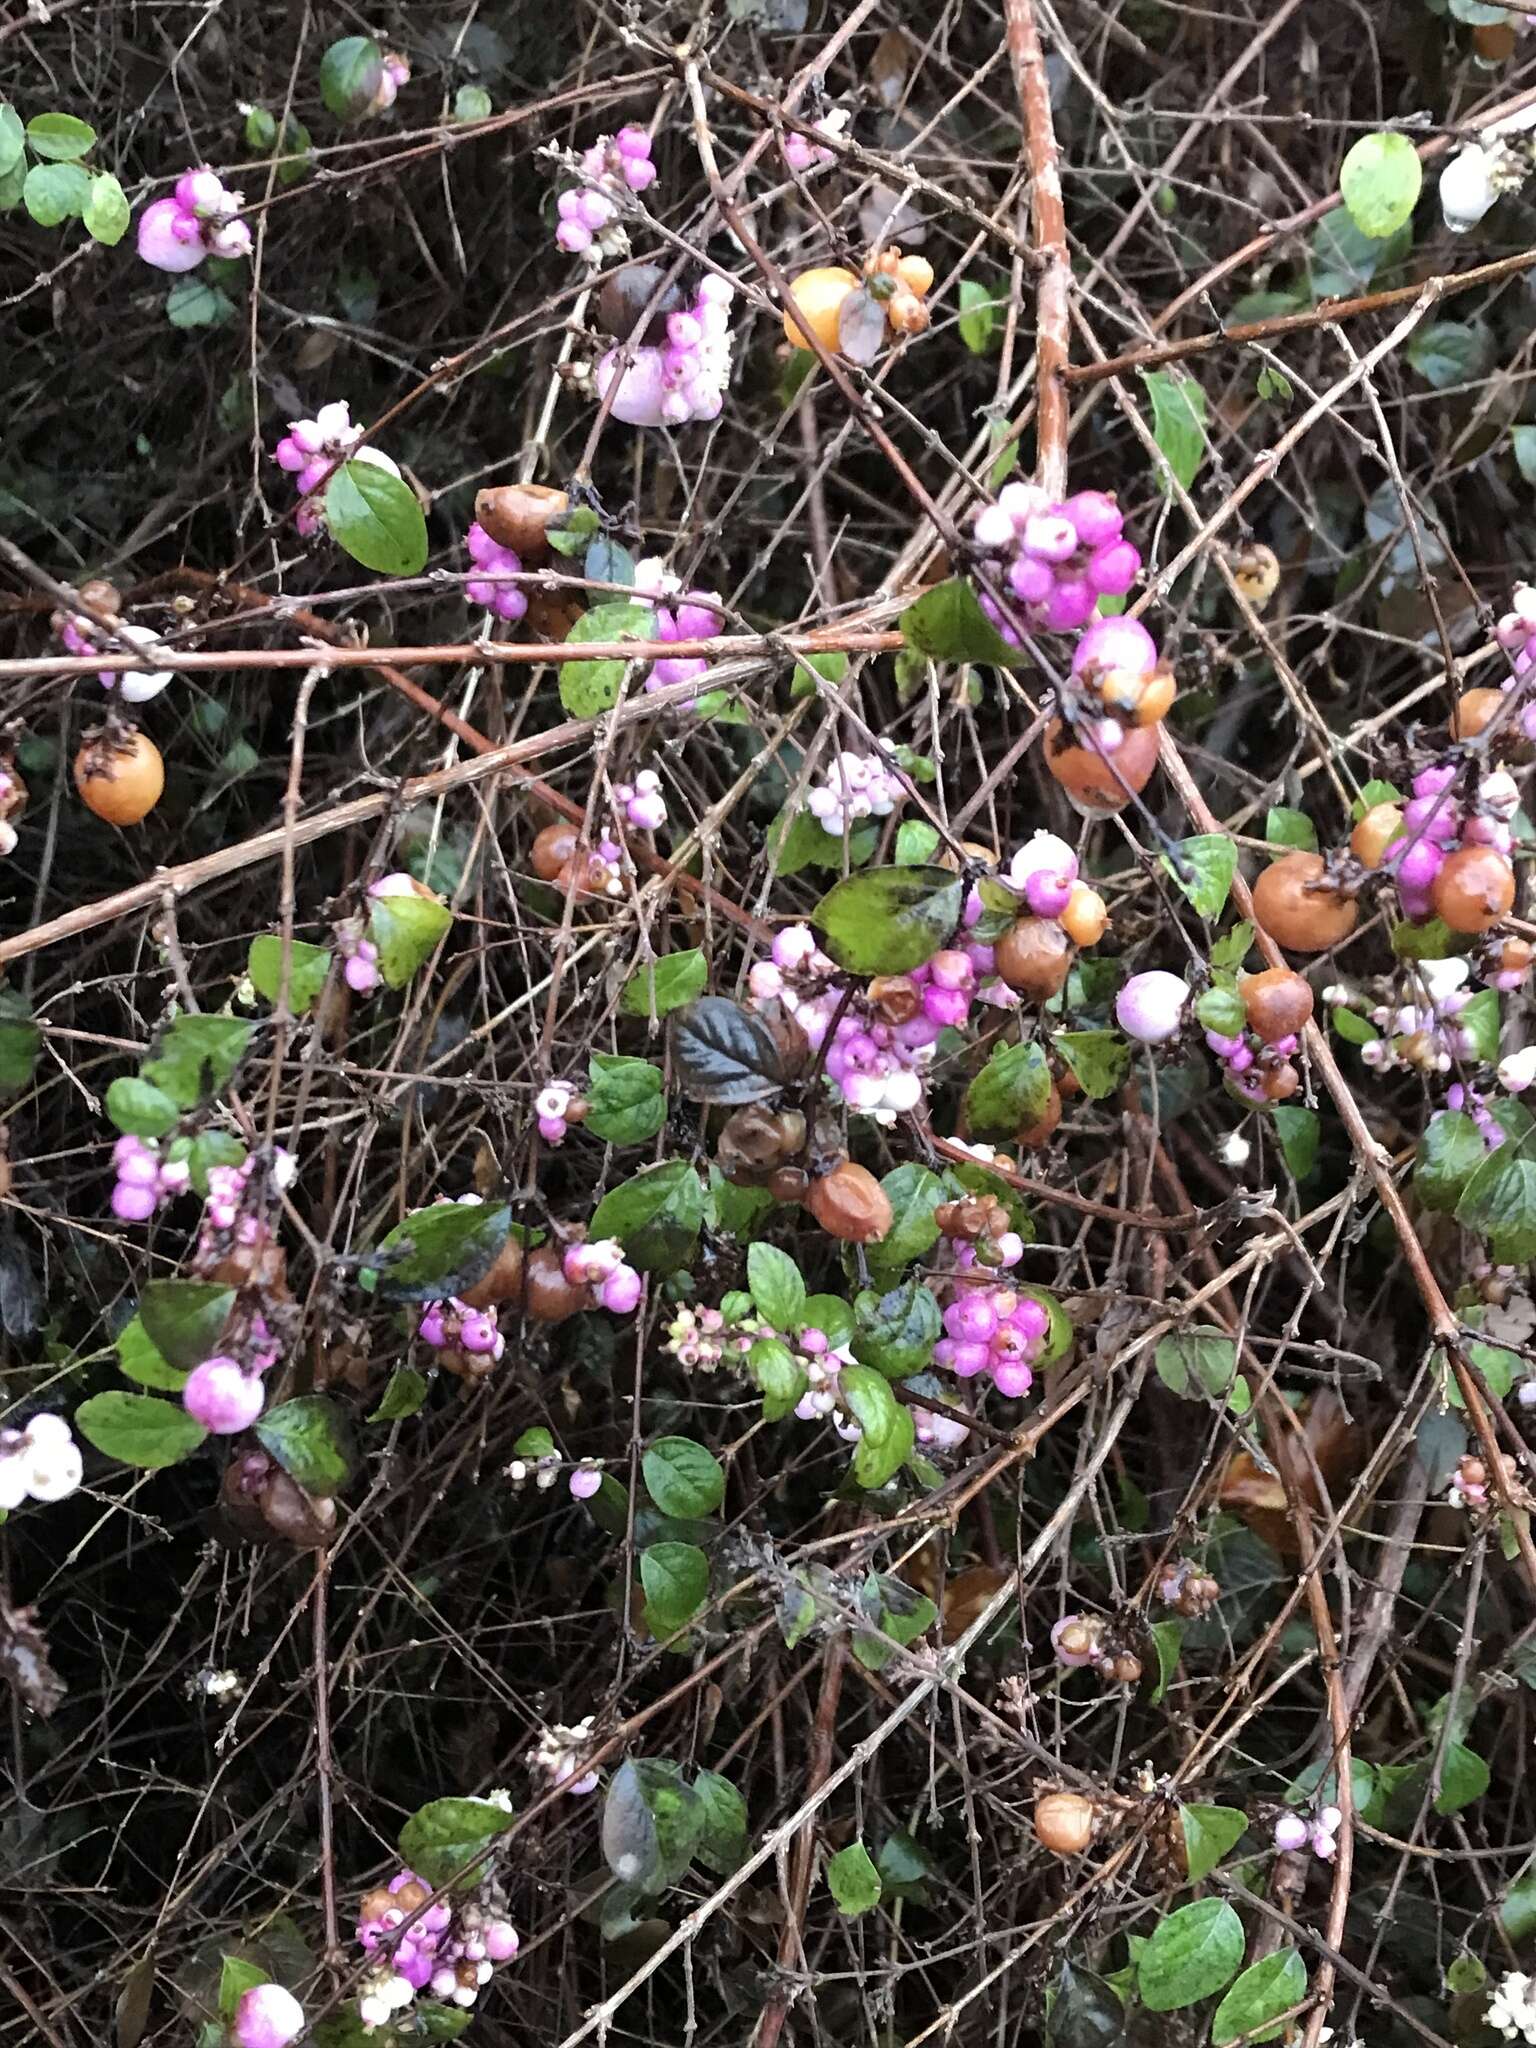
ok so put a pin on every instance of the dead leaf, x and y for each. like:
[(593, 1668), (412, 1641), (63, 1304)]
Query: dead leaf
[(24, 1661), (1337, 1449)]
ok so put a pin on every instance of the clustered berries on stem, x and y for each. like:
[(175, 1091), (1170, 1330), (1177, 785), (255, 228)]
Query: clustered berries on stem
[(991, 1329), (1033, 956), (144, 1179), (507, 600), (40, 1461), (450, 1950), (854, 316), (200, 218), (1055, 560), (588, 211), (13, 801), (804, 155), (80, 634), (857, 786), (312, 449), (1088, 1642), (1294, 1831), (1256, 1029), (685, 615), (684, 376)]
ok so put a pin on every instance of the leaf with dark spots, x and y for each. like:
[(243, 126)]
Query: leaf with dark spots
[(723, 1053)]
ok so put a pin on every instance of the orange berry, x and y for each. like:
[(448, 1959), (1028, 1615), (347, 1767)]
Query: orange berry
[(817, 298), (1256, 572), (1474, 889), (120, 776), (1041, 1131), (1034, 956), (553, 850), (1278, 1003), (1064, 1822), (1297, 914), (1280, 1082), (504, 1282), (916, 273), (518, 516), (905, 313), (1375, 832), (1474, 710), (1093, 784), (1086, 917), (850, 1203)]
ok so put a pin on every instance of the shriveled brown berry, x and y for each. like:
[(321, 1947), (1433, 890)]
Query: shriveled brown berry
[(518, 516), (1375, 832), (624, 297), (1280, 1083), (1474, 889), (1278, 1003), (547, 1295), (1041, 1131), (102, 596), (789, 1184), (554, 847), (1034, 956), (896, 997), (755, 1139), (551, 614), (375, 1904), (1064, 1822), (1100, 783), (850, 1203), (504, 1282), (1300, 909), (263, 1266), (120, 776), (1079, 1639), (906, 314), (1123, 1668), (299, 1518), (1515, 956), (412, 1893), (1256, 572), (1474, 710)]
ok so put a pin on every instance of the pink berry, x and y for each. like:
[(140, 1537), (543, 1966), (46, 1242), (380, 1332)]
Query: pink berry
[(222, 1396), (585, 1482), (1150, 1007), (132, 1202), (267, 2017), (162, 239), (1290, 1831)]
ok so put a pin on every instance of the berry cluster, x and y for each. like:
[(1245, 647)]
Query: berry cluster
[(40, 1461), (1449, 859), (1516, 634), (1421, 1032), (144, 1179), (978, 1231), (225, 1394), (1056, 561), (229, 1217), (804, 155), (702, 1339), (1089, 1642), (1183, 1586), (359, 953), (642, 802), (858, 786), (267, 2016), (683, 378), (694, 616), (81, 635), (200, 218), (507, 600), (587, 211), (450, 1950), (994, 1330), (558, 856), (1255, 1029), (600, 1267), (1294, 1831), (1472, 1485), (1033, 956), (558, 1106), (557, 1757), (312, 449), (466, 1340)]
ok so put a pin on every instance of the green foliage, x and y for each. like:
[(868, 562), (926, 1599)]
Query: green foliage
[(589, 688), (441, 1837), (947, 623), (777, 1288), (184, 1319), (376, 518), (683, 1478), (665, 985), (312, 1441), (403, 1396), (1208, 861), (1100, 1060), (60, 138), (1209, 1832), (1289, 828), (887, 1429), (198, 1058), (139, 1109), (1178, 421), (1191, 1954), (656, 1216), (853, 1880), (675, 1577), (138, 1430), (1263, 1991), (653, 1821), (308, 966), (1011, 1091), (20, 1041), (351, 72), (627, 1103), (437, 1252), (1380, 179), (407, 931), (890, 920), (982, 308)]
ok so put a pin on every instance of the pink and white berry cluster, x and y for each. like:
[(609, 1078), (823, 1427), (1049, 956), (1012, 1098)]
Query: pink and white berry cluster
[(450, 1950), (82, 636), (1055, 560), (667, 384), (452, 1325), (226, 1394), (144, 1179), (228, 1217), (554, 1106), (1294, 1831), (992, 1329), (702, 1340), (312, 449), (1249, 1061), (1111, 666), (359, 954), (642, 802), (1422, 1031), (40, 1461), (1435, 826), (600, 1266), (804, 155), (557, 1758), (507, 600), (199, 218), (267, 2016), (685, 615), (612, 161), (857, 786)]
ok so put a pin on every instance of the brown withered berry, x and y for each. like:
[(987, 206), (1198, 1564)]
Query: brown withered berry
[(896, 996), (295, 1516), (1094, 785), (789, 1184), (554, 847), (1294, 901), (1474, 889), (1064, 1822), (1034, 956), (850, 1203), (623, 298), (547, 1295), (518, 516), (1278, 1003), (1474, 710), (1280, 1083), (1041, 1131), (504, 1282), (1514, 956)]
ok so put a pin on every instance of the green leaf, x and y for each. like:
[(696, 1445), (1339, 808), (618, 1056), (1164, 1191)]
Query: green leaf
[(1011, 1091), (1342, 260), (377, 518), (1380, 181), (653, 1821), (1499, 1201), (1432, 940), (723, 1838), (139, 1109), (138, 1430), (1086, 2011), (896, 1332), (1178, 421), (107, 212), (194, 302), (1232, 948), (471, 103), (1351, 1026), (1191, 1954), (1449, 353), (1465, 1974), (1464, 1777), (308, 967), (980, 305), (853, 1880), (1100, 1060), (890, 920), (1264, 1991), (406, 930), (351, 73), (887, 1429), (656, 1216), (1210, 860), (60, 138), (675, 1577), (903, 1867), (209, 1149), (830, 1314), (441, 1837), (1197, 1359), (139, 1360), (20, 1040), (236, 1977), (589, 688), (311, 1439), (913, 1193), (1523, 441), (627, 1103), (402, 1397), (1299, 1132), (831, 668), (437, 1252), (797, 840), (13, 183), (12, 139), (198, 1057), (947, 623), (53, 193), (723, 1052), (1167, 1640), (1284, 827), (1480, 1021), (184, 1319), (1372, 794), (1517, 1908), (683, 1478), (895, 1611), (664, 985), (916, 843), (778, 1377), (778, 1290), (1449, 1153), (1209, 1832), (1274, 386)]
